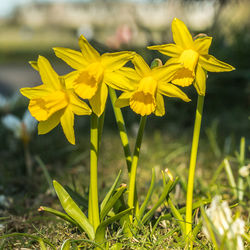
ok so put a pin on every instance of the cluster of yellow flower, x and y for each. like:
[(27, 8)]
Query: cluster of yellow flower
[(57, 99)]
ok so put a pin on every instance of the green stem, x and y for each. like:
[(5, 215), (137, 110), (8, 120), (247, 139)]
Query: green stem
[(193, 157), (93, 192), (131, 194), (100, 128), (122, 129)]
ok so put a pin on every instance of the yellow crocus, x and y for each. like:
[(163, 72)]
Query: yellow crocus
[(192, 55), (92, 69), (143, 87), (52, 103)]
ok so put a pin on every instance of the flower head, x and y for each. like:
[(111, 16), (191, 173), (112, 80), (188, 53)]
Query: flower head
[(143, 87), (223, 225), (52, 103), (193, 56), (22, 128), (92, 70)]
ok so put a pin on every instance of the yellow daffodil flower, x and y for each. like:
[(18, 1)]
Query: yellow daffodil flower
[(52, 103), (143, 87), (92, 69), (193, 56)]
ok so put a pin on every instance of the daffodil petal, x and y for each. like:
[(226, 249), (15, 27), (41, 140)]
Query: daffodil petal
[(171, 49), (165, 73), (49, 77), (77, 106), (114, 61), (181, 34), (34, 65), (88, 52), (70, 78), (45, 127), (171, 90), (200, 80), (210, 63), (123, 100), (35, 92), (130, 73), (141, 66), (98, 101), (119, 81), (72, 57), (172, 61), (202, 45), (67, 123), (160, 107)]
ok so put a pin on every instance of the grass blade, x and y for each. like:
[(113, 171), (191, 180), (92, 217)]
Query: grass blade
[(167, 188), (38, 239), (100, 231), (148, 197)]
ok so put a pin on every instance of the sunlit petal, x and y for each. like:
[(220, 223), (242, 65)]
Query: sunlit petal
[(118, 80), (160, 107), (201, 45), (141, 66), (114, 61), (98, 101), (200, 80), (67, 122), (49, 77), (171, 49), (72, 57), (123, 100), (45, 127), (171, 90), (210, 63), (35, 92), (79, 107), (181, 34), (166, 72), (70, 78), (88, 52), (34, 65)]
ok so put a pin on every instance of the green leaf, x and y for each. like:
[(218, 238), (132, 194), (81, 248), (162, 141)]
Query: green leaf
[(111, 190), (148, 197), (100, 231), (81, 201), (59, 214), (73, 210), (109, 205)]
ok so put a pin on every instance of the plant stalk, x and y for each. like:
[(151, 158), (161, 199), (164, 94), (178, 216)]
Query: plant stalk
[(93, 192), (122, 129), (131, 194), (193, 157)]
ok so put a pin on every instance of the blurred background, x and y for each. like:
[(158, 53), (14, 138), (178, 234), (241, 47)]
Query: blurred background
[(30, 28)]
